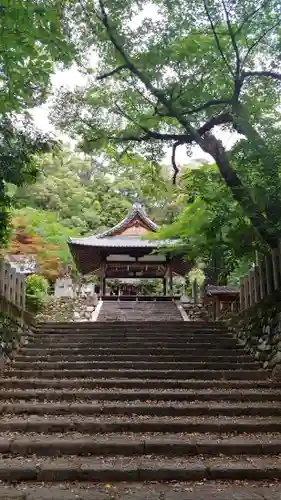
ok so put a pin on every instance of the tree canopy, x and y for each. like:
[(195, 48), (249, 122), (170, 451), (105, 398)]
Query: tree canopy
[(171, 78), (33, 37)]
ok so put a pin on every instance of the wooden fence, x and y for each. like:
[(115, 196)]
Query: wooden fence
[(12, 285), (262, 280)]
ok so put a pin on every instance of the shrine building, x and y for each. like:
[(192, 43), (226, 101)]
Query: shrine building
[(125, 251)]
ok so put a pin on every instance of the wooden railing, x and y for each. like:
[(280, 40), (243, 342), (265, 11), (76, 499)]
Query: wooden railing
[(262, 280), (12, 293)]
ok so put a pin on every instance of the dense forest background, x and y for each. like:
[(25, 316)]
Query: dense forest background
[(76, 195)]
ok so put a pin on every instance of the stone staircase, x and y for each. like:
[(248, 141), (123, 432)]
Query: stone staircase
[(139, 311), (139, 402)]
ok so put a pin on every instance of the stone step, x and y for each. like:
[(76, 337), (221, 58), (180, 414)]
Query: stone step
[(238, 351), (145, 374), (133, 338), (81, 324), (136, 365), (139, 468), (205, 490), (32, 358), (242, 395), (128, 445), (37, 383), (148, 345), (111, 329), (139, 424), (172, 409)]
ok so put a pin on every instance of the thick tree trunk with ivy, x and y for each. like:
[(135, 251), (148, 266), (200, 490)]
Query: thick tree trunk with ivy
[(264, 227)]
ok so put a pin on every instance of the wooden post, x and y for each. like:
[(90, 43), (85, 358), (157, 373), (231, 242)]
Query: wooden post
[(269, 274), (103, 287), (6, 280), (22, 285), (164, 286), (256, 284), (251, 288), (170, 280), (217, 308), (262, 279), (279, 256), (242, 293), (246, 287), (275, 266), (2, 277), (194, 291)]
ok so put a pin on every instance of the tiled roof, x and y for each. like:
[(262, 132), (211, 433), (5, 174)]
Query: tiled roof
[(221, 289), (128, 241), (137, 211)]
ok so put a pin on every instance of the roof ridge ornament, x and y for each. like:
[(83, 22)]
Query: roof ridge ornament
[(137, 206)]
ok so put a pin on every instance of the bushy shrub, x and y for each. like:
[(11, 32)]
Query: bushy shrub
[(36, 292)]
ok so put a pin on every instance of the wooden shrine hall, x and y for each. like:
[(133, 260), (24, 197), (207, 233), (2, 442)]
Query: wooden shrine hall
[(125, 251)]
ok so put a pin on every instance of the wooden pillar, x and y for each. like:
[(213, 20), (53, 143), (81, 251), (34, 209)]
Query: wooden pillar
[(194, 291), (262, 279), (242, 293), (103, 286), (275, 267), (218, 303), (257, 295), (170, 280), (22, 286), (164, 286), (251, 287), (269, 274), (103, 279), (246, 288), (2, 277)]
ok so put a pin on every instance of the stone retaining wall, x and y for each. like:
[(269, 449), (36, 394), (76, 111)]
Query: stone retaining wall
[(258, 329)]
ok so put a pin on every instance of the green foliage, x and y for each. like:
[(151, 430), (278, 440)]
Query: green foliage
[(20, 146), (212, 228), (36, 292), (95, 197), (33, 37), (170, 79)]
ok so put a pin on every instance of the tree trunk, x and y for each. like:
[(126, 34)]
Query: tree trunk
[(262, 225), (268, 161)]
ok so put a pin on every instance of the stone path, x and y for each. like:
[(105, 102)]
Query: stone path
[(137, 402), (137, 310), (153, 491)]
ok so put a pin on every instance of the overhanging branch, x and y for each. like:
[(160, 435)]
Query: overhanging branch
[(233, 40), (216, 37), (175, 167), (206, 105), (268, 74), (113, 72)]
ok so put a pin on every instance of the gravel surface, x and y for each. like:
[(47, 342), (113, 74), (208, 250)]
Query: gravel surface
[(209, 390), (149, 491), (151, 461), (73, 417), (144, 404), (245, 438)]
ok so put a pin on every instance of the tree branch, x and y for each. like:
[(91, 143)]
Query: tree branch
[(113, 72), (268, 74), (212, 102), (259, 40), (175, 167), (154, 91), (216, 37), (181, 138), (250, 16), (233, 40)]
